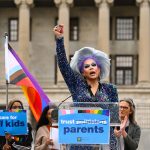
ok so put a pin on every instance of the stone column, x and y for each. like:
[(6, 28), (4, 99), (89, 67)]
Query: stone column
[(103, 24), (64, 18), (144, 42), (24, 28)]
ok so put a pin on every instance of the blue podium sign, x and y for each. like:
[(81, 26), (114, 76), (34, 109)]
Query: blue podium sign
[(84, 126), (14, 123)]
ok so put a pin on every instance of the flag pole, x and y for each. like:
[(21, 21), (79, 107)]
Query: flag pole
[(6, 65), (7, 94)]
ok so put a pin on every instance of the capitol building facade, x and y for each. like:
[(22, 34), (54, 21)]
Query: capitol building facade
[(120, 28)]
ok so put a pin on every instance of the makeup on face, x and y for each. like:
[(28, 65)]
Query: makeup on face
[(88, 65), (90, 70)]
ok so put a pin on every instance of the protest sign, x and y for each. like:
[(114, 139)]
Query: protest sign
[(14, 123), (84, 126)]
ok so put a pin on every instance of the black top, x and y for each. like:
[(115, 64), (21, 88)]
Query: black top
[(19, 140)]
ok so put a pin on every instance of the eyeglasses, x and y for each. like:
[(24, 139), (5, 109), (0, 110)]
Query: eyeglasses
[(16, 107), (128, 100), (123, 107), (88, 65)]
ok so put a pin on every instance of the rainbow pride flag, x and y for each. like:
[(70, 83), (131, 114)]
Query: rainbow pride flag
[(17, 73)]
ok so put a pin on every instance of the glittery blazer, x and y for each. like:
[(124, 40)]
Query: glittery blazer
[(81, 91), (77, 85)]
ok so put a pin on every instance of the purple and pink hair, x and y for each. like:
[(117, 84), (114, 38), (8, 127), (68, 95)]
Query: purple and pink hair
[(81, 63)]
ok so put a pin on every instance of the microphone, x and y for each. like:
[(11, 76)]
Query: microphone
[(54, 113), (89, 86)]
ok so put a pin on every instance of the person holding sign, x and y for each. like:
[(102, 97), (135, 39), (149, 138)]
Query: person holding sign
[(84, 75), (44, 129), (128, 134), (12, 142)]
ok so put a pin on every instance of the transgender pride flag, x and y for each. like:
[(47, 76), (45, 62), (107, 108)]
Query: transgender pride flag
[(17, 73)]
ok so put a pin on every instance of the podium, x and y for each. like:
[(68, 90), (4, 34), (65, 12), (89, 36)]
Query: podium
[(86, 123)]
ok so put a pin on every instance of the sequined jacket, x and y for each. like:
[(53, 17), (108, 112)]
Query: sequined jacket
[(79, 88)]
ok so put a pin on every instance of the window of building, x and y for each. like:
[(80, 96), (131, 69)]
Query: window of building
[(124, 71), (124, 28), (111, 28), (30, 38), (124, 2), (13, 29), (74, 29)]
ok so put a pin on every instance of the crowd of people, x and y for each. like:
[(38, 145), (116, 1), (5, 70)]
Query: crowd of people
[(84, 77), (127, 135)]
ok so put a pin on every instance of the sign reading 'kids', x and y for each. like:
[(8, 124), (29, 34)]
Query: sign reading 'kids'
[(14, 123)]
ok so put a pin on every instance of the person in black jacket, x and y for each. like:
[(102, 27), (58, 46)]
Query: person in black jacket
[(19, 142), (129, 133)]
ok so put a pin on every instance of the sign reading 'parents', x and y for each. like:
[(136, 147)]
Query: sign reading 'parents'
[(84, 126)]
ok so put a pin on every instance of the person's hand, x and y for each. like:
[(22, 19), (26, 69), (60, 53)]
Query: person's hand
[(49, 142), (122, 131), (8, 136), (59, 30), (117, 132), (123, 123), (123, 126), (6, 147)]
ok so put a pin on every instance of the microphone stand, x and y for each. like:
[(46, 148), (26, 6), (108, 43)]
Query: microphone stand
[(63, 101), (54, 113)]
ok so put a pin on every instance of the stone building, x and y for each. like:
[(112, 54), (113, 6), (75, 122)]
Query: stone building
[(121, 28)]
